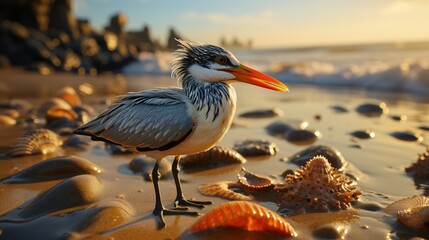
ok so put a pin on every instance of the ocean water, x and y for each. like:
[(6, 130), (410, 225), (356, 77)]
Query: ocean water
[(401, 67)]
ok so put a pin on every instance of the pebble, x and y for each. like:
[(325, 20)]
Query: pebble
[(408, 136), (334, 157), (253, 148), (302, 136), (339, 109), (363, 134), (264, 113), (329, 231), (373, 110)]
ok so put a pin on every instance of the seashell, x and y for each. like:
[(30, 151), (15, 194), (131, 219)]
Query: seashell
[(55, 168), (13, 113), (144, 165), (253, 182), (373, 110), (317, 187), (302, 136), (420, 169), (244, 215), (415, 218), (16, 104), (406, 203), (408, 136), (223, 189), (413, 211), (335, 158), (363, 134), (69, 95), (424, 127), (255, 148), (265, 113), (84, 108), (55, 113), (36, 141), (214, 157), (55, 103), (7, 121)]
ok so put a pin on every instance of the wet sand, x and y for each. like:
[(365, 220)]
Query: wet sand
[(123, 202)]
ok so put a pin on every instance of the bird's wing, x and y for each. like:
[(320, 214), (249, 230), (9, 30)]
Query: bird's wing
[(149, 120)]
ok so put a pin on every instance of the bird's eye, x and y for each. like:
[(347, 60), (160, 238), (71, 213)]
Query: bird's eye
[(220, 59)]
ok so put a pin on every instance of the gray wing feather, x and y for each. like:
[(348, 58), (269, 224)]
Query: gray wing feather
[(150, 119)]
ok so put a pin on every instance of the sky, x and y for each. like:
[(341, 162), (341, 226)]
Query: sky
[(270, 23)]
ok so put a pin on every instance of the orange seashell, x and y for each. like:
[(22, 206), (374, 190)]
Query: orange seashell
[(54, 103), (6, 121), (69, 95), (53, 114), (244, 215), (223, 189)]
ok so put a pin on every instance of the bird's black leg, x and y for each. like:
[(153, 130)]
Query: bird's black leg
[(180, 199), (159, 210)]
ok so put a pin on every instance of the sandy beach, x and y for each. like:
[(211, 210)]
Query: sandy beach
[(122, 202)]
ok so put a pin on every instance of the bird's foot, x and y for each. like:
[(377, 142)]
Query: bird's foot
[(181, 201), (160, 212)]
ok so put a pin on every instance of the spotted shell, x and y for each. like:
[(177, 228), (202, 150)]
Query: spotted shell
[(413, 211), (69, 95), (36, 141), (317, 187), (223, 189), (244, 215), (420, 169), (216, 156), (253, 182)]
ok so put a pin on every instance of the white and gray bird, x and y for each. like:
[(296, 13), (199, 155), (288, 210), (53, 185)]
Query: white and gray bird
[(188, 119)]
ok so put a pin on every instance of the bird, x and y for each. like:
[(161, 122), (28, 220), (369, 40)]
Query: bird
[(190, 118)]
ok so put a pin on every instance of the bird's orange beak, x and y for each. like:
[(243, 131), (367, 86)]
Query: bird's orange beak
[(254, 77)]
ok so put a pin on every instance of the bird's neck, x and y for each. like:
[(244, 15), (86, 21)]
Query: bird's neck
[(209, 94)]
